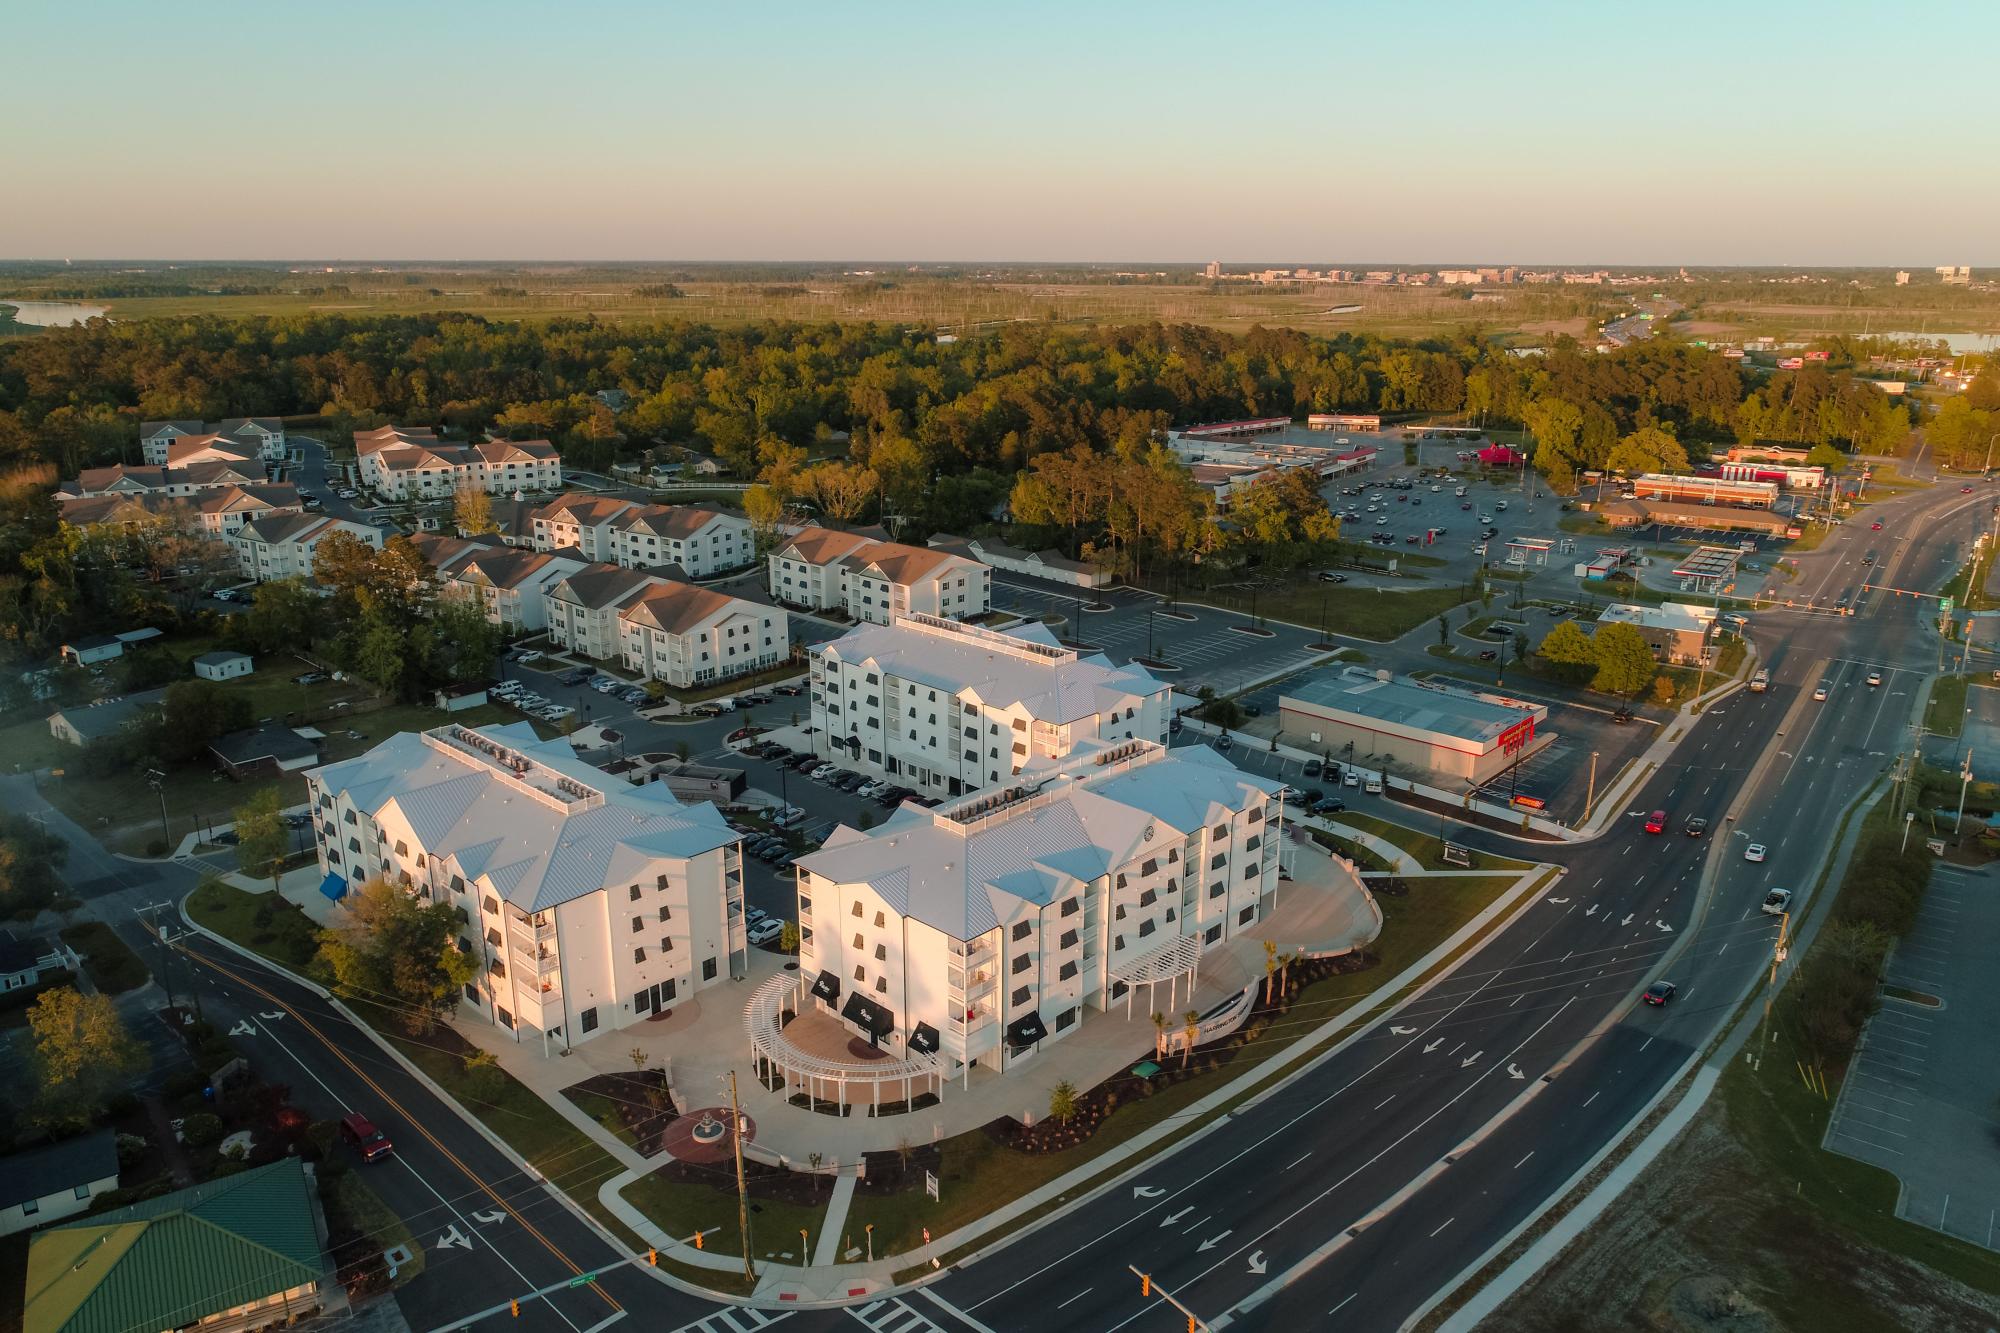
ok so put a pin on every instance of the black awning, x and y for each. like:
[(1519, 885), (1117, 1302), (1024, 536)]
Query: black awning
[(1026, 1031), (924, 1039), (877, 1019), (827, 987)]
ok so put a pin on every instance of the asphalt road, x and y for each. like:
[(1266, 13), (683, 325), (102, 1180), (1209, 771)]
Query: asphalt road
[(1255, 1225)]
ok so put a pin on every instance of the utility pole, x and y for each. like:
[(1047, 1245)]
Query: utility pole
[(1590, 793), (742, 1191), (1964, 781), (1779, 948), (158, 782)]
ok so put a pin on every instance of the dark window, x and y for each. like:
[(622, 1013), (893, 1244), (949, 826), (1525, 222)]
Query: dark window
[(881, 953), (1067, 971), (1021, 996), (1068, 940), (1219, 860), (1023, 963), (666, 914), (1023, 929), (708, 969), (1151, 867), (638, 955), (1071, 906), (1246, 916), (458, 886), (1215, 889), (635, 893), (1250, 872), (1147, 927), (638, 924), (590, 1019), (1211, 935)]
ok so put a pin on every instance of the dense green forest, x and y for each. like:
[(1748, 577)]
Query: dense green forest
[(939, 432)]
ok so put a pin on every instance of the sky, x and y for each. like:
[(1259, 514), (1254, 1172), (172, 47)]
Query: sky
[(1766, 132)]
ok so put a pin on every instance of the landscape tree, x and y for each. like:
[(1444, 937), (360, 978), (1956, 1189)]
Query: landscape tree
[(1557, 427), (1063, 1102), (283, 616), (1190, 1031), (82, 1054), (193, 713), (472, 510), (1625, 662), (29, 860), (400, 953), (262, 836), (1649, 449), (841, 490), (1567, 648)]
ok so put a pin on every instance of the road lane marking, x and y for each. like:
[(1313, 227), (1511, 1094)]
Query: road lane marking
[(1079, 1296), (1302, 1157), (1524, 1161)]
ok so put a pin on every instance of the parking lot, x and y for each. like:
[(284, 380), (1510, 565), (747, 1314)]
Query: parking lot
[(1205, 645), (1921, 1092)]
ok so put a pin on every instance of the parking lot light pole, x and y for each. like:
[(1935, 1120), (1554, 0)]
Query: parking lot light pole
[(1590, 792)]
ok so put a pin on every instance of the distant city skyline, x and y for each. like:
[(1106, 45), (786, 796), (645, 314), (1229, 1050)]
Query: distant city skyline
[(1568, 135)]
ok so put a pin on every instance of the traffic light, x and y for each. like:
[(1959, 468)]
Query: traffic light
[(515, 1305), (1192, 1326), (697, 1240), (652, 1256), (1145, 1284)]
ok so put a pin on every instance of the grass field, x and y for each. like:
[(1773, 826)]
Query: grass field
[(1427, 850), (1944, 715), (110, 963), (261, 922), (681, 1209), (348, 1198), (1363, 613)]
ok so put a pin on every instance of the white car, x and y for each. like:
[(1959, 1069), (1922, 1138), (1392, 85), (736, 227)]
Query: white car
[(767, 931), (1819, 695), (823, 772), (1874, 678), (1353, 779), (1754, 852), (556, 713)]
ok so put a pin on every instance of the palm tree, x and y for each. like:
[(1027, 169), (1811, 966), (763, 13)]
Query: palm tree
[(1191, 1032), (1062, 1102), (1270, 966), (1159, 1035)]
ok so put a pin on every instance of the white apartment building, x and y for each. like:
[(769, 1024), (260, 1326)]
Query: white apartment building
[(213, 513), (176, 481), (252, 437), (582, 610), (591, 903), (700, 540), (281, 546), (401, 463), (687, 635), (824, 570), (581, 521), (510, 584), (946, 708), (977, 931)]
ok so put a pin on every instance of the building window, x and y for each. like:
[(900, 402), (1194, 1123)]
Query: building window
[(857, 907), (1219, 860), (666, 944), (1147, 927), (708, 969), (881, 985), (1068, 940), (1067, 971), (635, 893), (1246, 916), (880, 920), (666, 914), (1211, 935), (1022, 964), (458, 886), (1215, 889), (402, 848), (638, 924), (590, 1019), (1220, 832), (1071, 907), (638, 955), (1021, 996), (881, 953), (1023, 929), (1250, 872)]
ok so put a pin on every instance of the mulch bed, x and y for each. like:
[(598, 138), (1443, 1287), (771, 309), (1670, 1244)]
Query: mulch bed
[(1096, 1104), (642, 1102)]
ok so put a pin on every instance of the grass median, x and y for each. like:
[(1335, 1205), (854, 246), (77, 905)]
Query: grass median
[(1944, 715), (1427, 850)]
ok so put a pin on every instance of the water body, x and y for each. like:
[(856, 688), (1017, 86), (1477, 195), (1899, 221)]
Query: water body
[(52, 314), (1957, 342)]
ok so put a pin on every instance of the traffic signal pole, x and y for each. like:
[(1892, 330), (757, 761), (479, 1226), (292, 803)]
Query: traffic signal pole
[(1150, 1289)]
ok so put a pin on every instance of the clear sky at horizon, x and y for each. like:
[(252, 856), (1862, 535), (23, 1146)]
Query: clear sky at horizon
[(1697, 133)]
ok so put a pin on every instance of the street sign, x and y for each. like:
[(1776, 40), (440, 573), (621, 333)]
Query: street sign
[(583, 1279), (1456, 855), (931, 1185)]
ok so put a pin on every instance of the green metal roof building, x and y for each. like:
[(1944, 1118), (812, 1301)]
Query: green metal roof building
[(239, 1252)]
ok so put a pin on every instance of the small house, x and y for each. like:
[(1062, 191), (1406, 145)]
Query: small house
[(265, 750), (49, 1184), (222, 665)]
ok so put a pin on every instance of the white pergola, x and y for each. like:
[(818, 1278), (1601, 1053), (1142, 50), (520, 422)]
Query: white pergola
[(1177, 958), (818, 1075)]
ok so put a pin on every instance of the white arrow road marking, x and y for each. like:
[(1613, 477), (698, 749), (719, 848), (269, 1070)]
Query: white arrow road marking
[(1213, 1241), (1175, 1217), (490, 1216), (1664, 926), (1434, 1045), (453, 1237), (244, 1029), (1147, 1191), (1514, 1071), (1470, 1060), (1590, 910), (1400, 1032), (1257, 1262), (278, 1015), (1628, 919), (1556, 901)]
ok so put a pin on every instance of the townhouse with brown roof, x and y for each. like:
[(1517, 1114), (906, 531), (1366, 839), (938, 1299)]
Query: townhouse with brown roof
[(702, 541), (208, 449), (216, 513), (179, 481), (510, 585), (281, 546), (687, 635), (583, 609), (871, 580)]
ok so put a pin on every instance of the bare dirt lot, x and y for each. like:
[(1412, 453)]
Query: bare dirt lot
[(1706, 1242)]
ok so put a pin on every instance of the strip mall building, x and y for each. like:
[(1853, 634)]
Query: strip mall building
[(1378, 721)]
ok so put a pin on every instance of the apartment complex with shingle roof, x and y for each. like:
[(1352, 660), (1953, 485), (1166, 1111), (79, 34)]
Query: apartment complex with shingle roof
[(867, 579), (510, 584), (249, 437), (977, 931), (578, 520), (282, 545), (700, 540), (583, 610), (945, 708), (411, 463), (215, 513), (590, 903), (183, 480), (687, 635)]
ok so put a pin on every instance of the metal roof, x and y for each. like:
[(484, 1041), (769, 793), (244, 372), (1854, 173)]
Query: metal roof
[(1404, 704)]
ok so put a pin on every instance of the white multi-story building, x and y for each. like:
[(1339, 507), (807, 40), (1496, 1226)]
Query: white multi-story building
[(686, 635), (583, 609), (281, 546), (591, 903), (252, 437), (178, 481), (402, 463), (581, 521), (824, 570), (218, 512), (699, 540), (977, 931), (510, 584), (946, 708)]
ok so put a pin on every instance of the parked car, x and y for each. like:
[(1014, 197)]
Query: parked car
[(767, 931), (822, 772), (1328, 576), (1312, 769), (1328, 805)]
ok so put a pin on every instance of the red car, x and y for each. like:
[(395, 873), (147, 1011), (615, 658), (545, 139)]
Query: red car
[(370, 1142), (1876, 526), (1656, 822), (1965, 490)]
